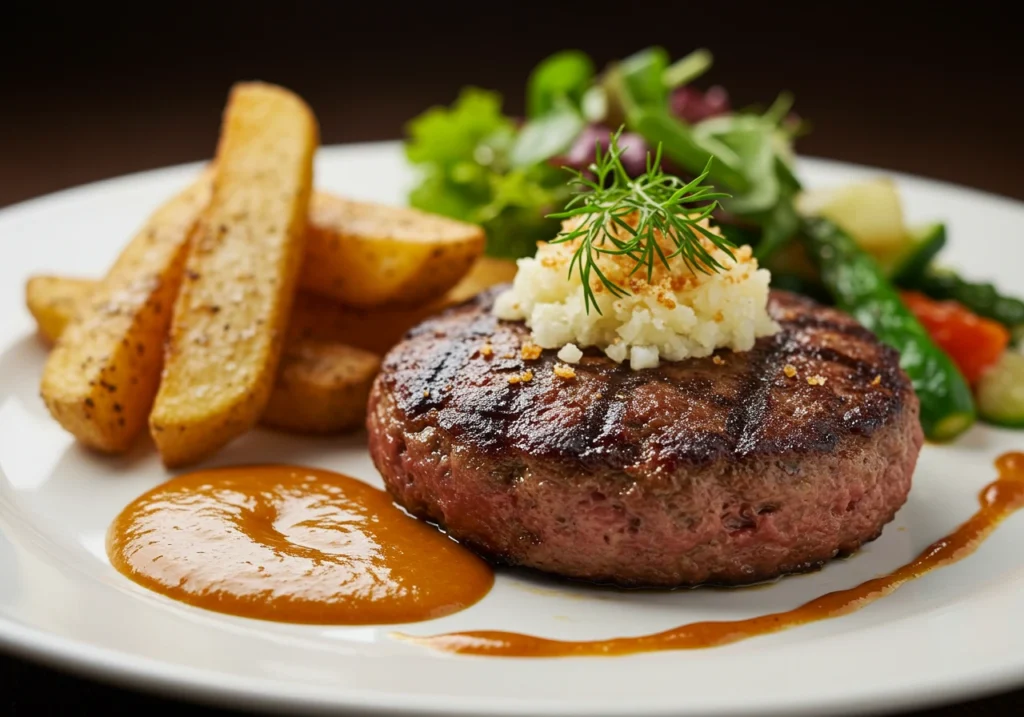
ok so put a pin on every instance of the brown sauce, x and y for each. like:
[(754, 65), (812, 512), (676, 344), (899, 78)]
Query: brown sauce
[(998, 500), (293, 545)]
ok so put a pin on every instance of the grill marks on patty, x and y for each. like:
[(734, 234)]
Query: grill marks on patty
[(687, 413)]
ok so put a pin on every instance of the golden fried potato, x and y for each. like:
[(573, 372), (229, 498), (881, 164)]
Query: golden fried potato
[(101, 377), (53, 301), (322, 387), (243, 263), (370, 255), (378, 330)]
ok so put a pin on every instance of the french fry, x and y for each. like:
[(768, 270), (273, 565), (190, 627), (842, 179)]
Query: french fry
[(50, 298), (100, 379), (322, 387), (370, 255), (243, 263), (53, 301)]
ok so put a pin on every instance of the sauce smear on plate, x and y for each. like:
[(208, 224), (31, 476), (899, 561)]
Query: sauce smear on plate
[(294, 545), (998, 500)]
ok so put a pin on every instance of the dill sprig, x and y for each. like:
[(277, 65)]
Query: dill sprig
[(662, 203)]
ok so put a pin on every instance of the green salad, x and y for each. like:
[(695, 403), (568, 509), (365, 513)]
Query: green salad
[(846, 246)]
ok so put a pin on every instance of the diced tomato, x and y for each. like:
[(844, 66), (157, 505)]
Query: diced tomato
[(973, 342)]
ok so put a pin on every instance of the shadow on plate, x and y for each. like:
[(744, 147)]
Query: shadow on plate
[(21, 368)]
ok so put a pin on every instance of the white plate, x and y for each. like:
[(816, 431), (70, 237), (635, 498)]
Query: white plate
[(954, 633)]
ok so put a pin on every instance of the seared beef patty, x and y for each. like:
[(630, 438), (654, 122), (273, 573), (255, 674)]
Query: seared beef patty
[(728, 469)]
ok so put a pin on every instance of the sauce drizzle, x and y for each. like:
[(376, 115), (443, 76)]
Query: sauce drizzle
[(998, 500), (294, 545)]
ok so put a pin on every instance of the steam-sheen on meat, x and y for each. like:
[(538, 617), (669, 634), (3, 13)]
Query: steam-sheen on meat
[(724, 470)]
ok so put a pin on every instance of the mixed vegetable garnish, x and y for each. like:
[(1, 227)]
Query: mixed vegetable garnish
[(847, 246)]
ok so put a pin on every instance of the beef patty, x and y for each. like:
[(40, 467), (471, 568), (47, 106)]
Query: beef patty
[(728, 469)]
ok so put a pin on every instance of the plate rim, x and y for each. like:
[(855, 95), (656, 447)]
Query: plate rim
[(119, 669), (152, 675)]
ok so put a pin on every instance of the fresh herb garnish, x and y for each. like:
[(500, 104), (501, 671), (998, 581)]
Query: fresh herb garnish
[(642, 208)]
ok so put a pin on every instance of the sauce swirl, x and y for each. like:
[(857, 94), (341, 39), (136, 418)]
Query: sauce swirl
[(292, 544), (998, 500)]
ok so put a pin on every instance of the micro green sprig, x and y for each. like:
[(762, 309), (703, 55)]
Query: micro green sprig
[(606, 195)]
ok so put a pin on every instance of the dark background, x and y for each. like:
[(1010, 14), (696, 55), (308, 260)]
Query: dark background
[(88, 93)]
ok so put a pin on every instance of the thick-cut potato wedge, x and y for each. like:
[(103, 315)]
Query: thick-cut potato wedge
[(49, 298), (100, 379), (243, 263), (378, 330), (322, 387), (53, 301), (370, 255)]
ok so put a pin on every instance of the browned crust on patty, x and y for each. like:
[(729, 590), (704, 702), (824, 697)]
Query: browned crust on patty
[(608, 417)]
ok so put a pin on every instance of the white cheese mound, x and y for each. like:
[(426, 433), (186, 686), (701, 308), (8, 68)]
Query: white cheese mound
[(678, 314)]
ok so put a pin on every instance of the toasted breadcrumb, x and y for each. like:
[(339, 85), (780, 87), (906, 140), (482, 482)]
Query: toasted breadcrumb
[(790, 370), (508, 355), (718, 360), (877, 380), (564, 371), (486, 350), (816, 380), (530, 351), (523, 377), (426, 394)]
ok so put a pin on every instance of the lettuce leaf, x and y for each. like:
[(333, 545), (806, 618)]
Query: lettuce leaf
[(463, 153)]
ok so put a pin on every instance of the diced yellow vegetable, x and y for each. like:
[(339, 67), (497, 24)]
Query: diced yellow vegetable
[(869, 211)]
